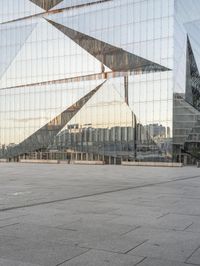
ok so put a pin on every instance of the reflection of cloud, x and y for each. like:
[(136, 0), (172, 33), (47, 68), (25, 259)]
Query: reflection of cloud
[(24, 120)]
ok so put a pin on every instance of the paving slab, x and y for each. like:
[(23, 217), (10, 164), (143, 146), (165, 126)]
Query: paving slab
[(165, 244), (4, 262), (103, 258), (157, 262), (122, 244), (41, 253)]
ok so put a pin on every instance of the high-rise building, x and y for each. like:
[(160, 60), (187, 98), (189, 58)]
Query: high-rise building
[(126, 73)]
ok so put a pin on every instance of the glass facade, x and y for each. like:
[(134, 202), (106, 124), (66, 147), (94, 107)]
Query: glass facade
[(104, 80), (186, 98)]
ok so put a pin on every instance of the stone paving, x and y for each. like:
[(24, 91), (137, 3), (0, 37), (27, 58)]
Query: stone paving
[(70, 215)]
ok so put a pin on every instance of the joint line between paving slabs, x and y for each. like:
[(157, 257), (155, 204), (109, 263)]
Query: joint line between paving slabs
[(188, 226), (131, 230), (136, 246), (72, 257), (186, 261), (163, 215), (7, 225), (138, 263), (106, 250)]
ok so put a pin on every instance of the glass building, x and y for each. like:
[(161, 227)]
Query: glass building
[(107, 80)]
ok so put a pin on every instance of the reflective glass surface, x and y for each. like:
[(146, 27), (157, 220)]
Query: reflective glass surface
[(186, 103), (88, 79)]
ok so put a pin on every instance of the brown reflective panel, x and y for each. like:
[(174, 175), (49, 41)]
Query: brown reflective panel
[(192, 78), (113, 57), (46, 4)]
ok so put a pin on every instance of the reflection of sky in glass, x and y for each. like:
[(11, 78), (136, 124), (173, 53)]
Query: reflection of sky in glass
[(47, 55), (136, 26), (25, 110), (14, 9)]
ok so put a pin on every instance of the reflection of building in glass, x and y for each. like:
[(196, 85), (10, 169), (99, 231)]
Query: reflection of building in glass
[(115, 80), (157, 131)]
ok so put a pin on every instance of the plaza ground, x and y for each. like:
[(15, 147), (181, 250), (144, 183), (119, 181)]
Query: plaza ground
[(71, 215)]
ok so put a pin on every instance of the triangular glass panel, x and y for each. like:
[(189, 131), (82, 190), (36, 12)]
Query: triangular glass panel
[(193, 30), (192, 78), (110, 128), (11, 42), (11, 10), (42, 138), (113, 57)]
